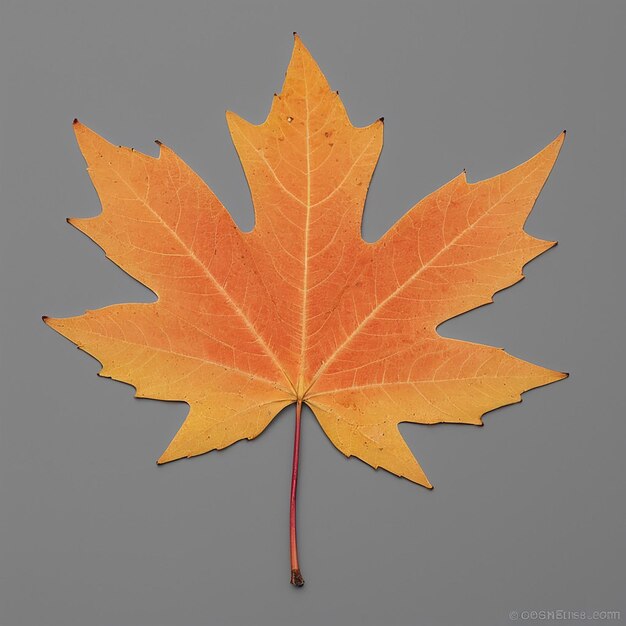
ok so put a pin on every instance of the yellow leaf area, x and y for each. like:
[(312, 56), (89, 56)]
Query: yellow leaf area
[(302, 309)]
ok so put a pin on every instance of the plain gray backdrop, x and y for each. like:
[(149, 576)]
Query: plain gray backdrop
[(527, 513)]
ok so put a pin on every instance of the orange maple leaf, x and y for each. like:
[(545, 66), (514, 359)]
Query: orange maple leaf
[(302, 309)]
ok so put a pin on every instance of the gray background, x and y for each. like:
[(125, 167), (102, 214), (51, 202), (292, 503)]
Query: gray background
[(527, 513)]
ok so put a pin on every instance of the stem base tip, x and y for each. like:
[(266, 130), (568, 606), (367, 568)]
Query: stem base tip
[(296, 578)]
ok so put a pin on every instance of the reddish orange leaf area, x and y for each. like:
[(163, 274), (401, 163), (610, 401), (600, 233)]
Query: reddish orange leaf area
[(302, 309)]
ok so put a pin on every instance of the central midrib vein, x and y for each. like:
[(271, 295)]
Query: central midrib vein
[(305, 277)]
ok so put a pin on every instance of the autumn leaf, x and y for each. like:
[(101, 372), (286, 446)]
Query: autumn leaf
[(302, 309)]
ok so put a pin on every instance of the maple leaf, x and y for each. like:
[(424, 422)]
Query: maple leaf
[(302, 309)]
